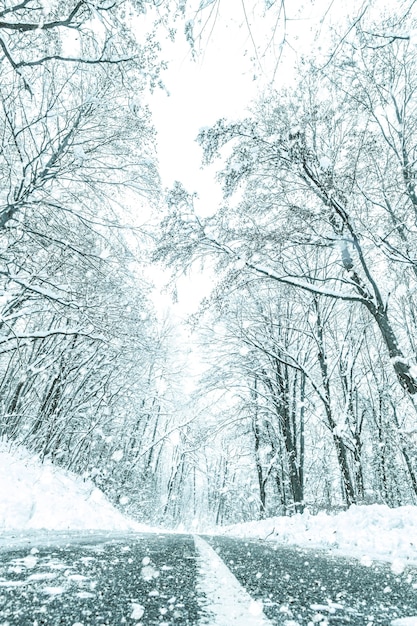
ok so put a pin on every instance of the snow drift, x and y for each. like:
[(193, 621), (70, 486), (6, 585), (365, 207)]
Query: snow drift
[(366, 532), (39, 495)]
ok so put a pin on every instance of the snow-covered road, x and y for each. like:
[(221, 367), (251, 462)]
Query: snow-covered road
[(169, 579)]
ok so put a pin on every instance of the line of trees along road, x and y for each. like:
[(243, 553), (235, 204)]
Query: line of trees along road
[(314, 315), (82, 352)]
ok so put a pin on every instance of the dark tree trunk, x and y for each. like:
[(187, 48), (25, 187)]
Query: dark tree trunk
[(341, 452)]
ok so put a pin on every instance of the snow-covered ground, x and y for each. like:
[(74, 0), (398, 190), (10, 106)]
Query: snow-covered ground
[(373, 532), (43, 496), (36, 496)]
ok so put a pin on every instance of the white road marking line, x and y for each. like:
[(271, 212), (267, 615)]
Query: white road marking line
[(227, 602)]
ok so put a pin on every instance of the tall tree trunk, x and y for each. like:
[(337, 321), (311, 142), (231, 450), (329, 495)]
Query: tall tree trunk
[(341, 451), (279, 390), (259, 469)]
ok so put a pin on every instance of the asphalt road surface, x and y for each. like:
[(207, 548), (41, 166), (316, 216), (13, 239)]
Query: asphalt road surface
[(172, 580)]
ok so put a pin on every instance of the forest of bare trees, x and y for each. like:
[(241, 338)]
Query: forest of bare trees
[(303, 355), (81, 352), (313, 317)]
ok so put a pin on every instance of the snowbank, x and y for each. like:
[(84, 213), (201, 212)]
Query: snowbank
[(42, 496), (366, 532)]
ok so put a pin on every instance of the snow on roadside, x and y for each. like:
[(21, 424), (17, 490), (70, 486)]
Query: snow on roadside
[(372, 532), (43, 496)]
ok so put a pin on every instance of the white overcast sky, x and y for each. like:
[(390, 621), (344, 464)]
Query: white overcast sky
[(219, 83)]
